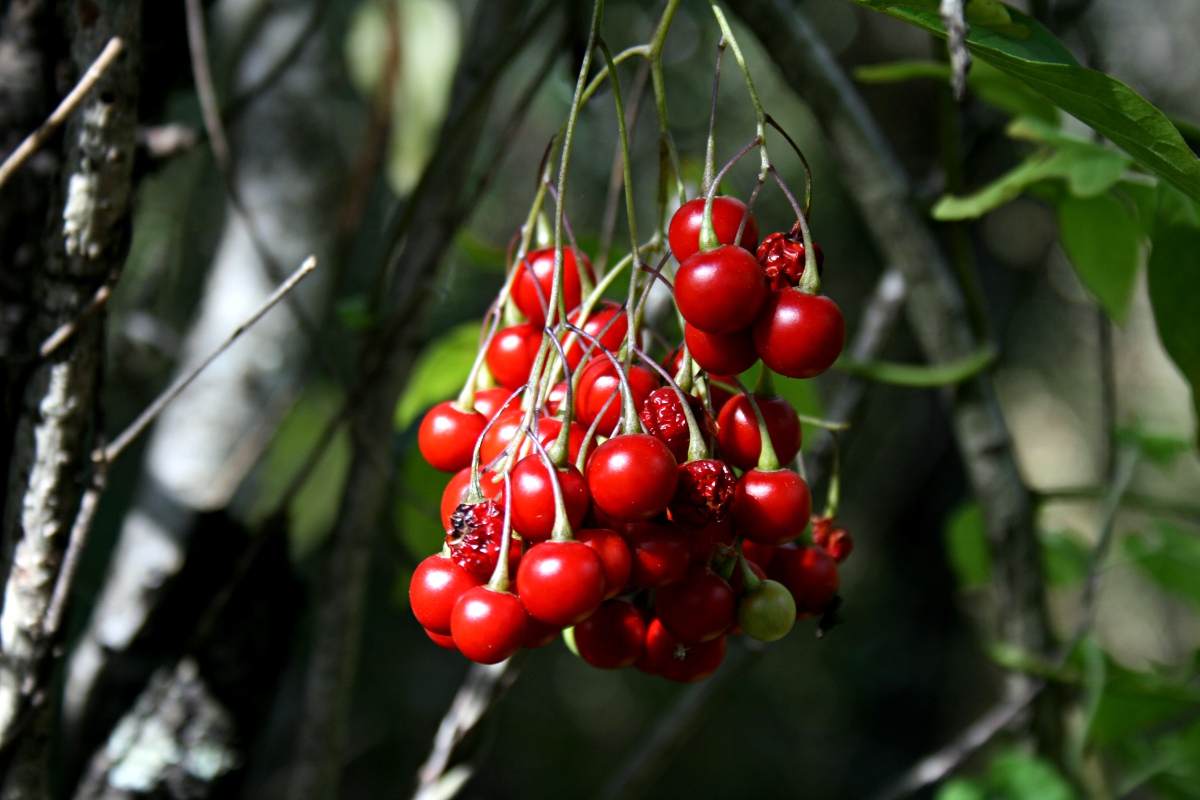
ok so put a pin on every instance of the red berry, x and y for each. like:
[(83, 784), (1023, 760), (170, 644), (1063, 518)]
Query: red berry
[(799, 335), (684, 231), (614, 553), (720, 291), (531, 288), (456, 492), (475, 537), (632, 477), (511, 354), (489, 401), (771, 507), (840, 544), (608, 323), (663, 418), (561, 583), (661, 554), (436, 585), (442, 640), (721, 354), (738, 434), (613, 637), (537, 633), (782, 258), (704, 494), (699, 609), (488, 626), (448, 434), (670, 658), (760, 554), (599, 382), (715, 541), (531, 497), (810, 574)]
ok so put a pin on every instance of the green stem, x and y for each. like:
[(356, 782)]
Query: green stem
[(751, 583), (834, 493), (697, 449), (810, 281), (562, 525), (499, 581), (561, 446), (708, 237), (760, 115), (710, 145), (768, 460)]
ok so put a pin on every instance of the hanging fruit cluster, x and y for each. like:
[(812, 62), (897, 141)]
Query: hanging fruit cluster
[(636, 508)]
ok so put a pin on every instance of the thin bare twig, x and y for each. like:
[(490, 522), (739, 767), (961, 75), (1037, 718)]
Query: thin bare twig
[(144, 419), (36, 139), (206, 90), (68, 329)]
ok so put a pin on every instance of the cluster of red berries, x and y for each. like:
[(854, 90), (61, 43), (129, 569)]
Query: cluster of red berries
[(643, 551)]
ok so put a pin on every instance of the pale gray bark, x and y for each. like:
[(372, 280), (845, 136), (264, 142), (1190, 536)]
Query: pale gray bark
[(288, 176)]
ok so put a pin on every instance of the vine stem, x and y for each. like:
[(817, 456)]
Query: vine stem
[(711, 145), (810, 280), (760, 116), (768, 460), (697, 450)]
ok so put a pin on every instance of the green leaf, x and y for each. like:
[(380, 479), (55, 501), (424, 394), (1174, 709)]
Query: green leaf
[(1026, 50), (1064, 557), (961, 789), (1037, 167), (1104, 243), (1171, 559), (1017, 776), (1161, 448), (1135, 701), (439, 373), (991, 85), (1174, 281), (920, 376), (967, 547)]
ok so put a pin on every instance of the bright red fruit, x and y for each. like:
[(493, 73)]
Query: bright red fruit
[(476, 533), (721, 354), (445, 641), (607, 322), (531, 289), (448, 434), (760, 554), (720, 291), (661, 554), (537, 633), (489, 401), (599, 382), (684, 231), (632, 477), (699, 609), (614, 552), (667, 656), (739, 437), (704, 494), (531, 497), (436, 585), (771, 507), (810, 574), (561, 583), (799, 335), (511, 354), (488, 626), (456, 492), (613, 637)]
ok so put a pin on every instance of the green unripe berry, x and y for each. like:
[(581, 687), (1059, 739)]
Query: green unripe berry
[(768, 613)]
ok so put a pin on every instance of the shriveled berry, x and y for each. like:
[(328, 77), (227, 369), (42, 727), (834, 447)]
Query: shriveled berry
[(475, 537), (782, 258), (704, 493), (663, 418)]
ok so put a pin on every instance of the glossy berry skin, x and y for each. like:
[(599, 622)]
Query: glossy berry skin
[(475, 537), (721, 354), (531, 288), (488, 626), (607, 322), (704, 493), (699, 609), (511, 354), (667, 656), (720, 291), (632, 477), (684, 231), (437, 584), (531, 498), (738, 430), (456, 492), (799, 335), (561, 583), (615, 555), (760, 554), (810, 574), (771, 508), (537, 633), (508, 423), (489, 401), (598, 383), (612, 638), (442, 640), (661, 554), (448, 434), (767, 614), (663, 418)]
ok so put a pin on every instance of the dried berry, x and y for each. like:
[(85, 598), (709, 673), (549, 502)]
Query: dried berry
[(474, 538), (663, 418), (704, 494), (782, 258)]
